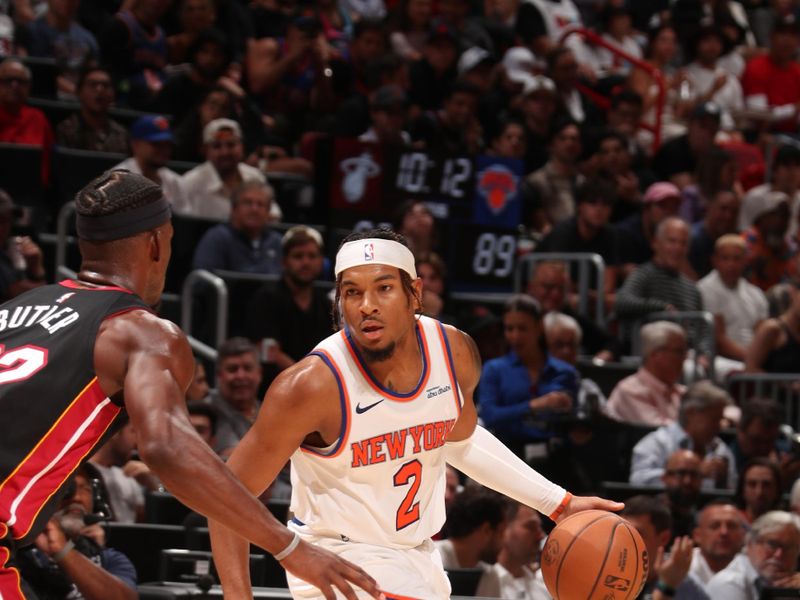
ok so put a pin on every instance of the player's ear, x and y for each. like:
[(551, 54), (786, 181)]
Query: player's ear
[(154, 241), (416, 284)]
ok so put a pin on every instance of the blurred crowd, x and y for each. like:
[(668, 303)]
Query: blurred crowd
[(661, 135)]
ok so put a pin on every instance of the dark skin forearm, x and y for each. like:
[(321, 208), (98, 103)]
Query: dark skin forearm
[(94, 582)]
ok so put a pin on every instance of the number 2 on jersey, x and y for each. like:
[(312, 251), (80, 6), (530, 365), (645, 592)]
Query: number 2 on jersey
[(408, 512), (20, 363)]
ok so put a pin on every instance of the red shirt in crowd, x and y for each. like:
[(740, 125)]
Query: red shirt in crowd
[(781, 85), (29, 126)]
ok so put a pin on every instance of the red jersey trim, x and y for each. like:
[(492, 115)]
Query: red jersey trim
[(74, 285), (68, 442)]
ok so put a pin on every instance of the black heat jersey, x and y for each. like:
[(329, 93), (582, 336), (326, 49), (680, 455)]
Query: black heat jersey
[(53, 413)]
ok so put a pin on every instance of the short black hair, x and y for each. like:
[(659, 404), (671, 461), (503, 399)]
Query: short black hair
[(460, 86), (116, 192), (472, 508), (202, 408), (88, 69), (772, 467), (649, 506), (211, 35), (523, 303), (610, 134), (766, 410), (595, 188), (235, 346), (787, 155)]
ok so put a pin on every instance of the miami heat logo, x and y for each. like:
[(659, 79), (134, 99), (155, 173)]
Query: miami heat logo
[(497, 183), (357, 170)]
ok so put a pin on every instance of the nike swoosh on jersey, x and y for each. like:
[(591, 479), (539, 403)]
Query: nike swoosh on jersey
[(362, 409)]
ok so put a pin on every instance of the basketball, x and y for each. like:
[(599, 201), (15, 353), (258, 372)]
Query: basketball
[(594, 555)]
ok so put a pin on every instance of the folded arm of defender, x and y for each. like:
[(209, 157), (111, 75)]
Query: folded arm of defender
[(486, 460)]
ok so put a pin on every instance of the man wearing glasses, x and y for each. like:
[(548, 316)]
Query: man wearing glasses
[(772, 550)]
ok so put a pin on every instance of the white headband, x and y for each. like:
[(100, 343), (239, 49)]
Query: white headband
[(375, 251)]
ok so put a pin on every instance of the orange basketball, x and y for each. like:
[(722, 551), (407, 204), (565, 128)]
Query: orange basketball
[(594, 555)]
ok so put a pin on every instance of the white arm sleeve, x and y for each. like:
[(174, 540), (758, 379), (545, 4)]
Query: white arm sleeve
[(486, 460)]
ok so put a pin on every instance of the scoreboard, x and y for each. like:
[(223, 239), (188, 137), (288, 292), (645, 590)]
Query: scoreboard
[(474, 199)]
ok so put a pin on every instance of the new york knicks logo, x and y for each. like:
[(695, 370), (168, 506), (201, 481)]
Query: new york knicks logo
[(369, 252), (357, 170), (497, 184)]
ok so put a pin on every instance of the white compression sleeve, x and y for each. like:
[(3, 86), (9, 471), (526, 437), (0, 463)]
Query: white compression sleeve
[(486, 460)]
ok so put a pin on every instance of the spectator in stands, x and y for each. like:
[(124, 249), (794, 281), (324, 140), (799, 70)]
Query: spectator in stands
[(722, 213), (19, 123), (58, 35), (454, 128), (549, 286), (198, 388), (431, 269), (151, 148), (681, 479), (541, 24), (414, 220), (246, 243), (716, 171), (696, 429), (784, 177), (660, 53), (125, 478), (738, 305), (772, 549), (719, 536), (209, 59), (236, 397), (563, 69), (624, 116), (652, 395), (616, 23), (134, 48), (195, 17), (771, 81), (550, 190), (203, 417), (91, 128), (758, 435), (21, 261), (612, 161), (539, 102), (668, 575), (759, 489), (211, 184), (563, 335), (777, 341), (409, 26), (661, 200), (432, 77), (218, 103), (292, 313), (769, 255), (589, 231), (508, 140), (526, 385), (388, 107), (519, 554), (676, 160), (476, 524), (710, 81), (69, 559), (659, 285)]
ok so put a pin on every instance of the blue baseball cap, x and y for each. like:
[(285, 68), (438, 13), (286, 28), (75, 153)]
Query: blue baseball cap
[(151, 128)]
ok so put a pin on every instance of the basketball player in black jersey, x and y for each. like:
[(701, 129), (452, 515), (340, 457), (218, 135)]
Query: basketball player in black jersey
[(75, 357)]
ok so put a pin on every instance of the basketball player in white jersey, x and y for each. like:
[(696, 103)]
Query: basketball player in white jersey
[(370, 419)]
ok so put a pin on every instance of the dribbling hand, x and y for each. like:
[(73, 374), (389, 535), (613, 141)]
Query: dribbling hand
[(325, 571), (579, 503)]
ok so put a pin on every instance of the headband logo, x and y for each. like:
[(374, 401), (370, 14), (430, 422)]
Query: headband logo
[(369, 251)]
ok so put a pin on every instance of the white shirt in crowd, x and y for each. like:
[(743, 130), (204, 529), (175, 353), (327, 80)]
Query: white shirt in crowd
[(741, 307)]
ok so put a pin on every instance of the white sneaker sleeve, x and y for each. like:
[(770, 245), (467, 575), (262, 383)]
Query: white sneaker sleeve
[(485, 459)]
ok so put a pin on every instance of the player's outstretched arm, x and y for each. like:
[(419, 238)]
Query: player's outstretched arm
[(481, 456), (150, 360), (302, 400)]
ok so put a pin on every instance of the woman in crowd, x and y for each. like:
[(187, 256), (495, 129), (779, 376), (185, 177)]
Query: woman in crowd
[(776, 346), (759, 488), (524, 389)]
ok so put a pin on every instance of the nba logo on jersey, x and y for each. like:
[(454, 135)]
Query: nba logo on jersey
[(369, 251)]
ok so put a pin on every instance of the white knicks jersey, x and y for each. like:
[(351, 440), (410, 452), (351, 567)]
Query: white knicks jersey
[(383, 481)]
